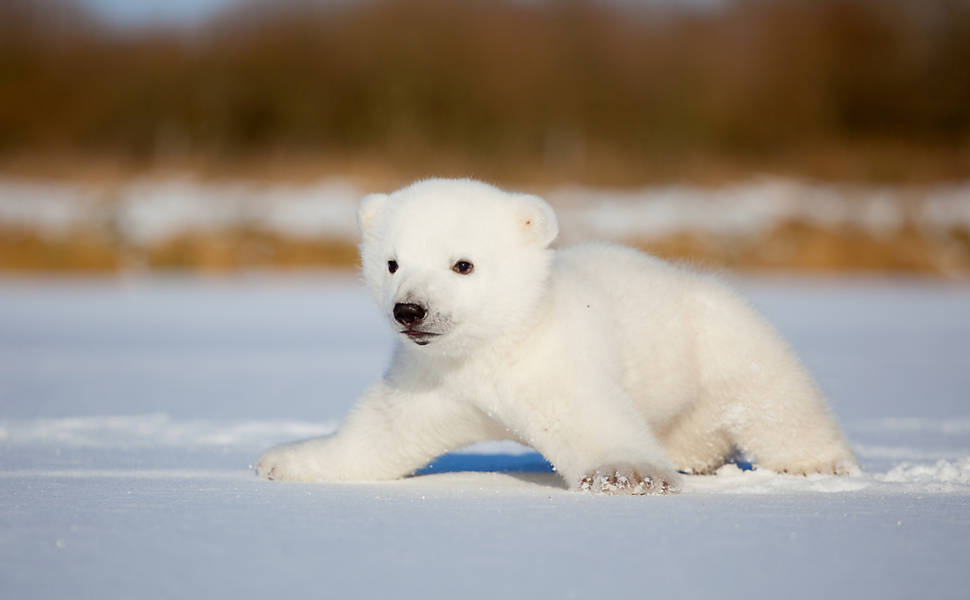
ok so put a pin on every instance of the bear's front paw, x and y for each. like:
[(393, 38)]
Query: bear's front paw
[(289, 463), (627, 479)]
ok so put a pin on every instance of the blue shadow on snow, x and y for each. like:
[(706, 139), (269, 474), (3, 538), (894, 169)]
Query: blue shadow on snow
[(456, 462), (530, 462)]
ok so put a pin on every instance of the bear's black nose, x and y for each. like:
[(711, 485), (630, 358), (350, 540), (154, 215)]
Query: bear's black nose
[(409, 315)]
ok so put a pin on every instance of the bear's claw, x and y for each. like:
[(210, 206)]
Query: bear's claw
[(628, 480)]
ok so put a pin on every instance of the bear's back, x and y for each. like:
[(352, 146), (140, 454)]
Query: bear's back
[(644, 306)]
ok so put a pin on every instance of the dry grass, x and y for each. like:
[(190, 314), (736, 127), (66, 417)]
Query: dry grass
[(75, 251), (96, 252), (874, 90), (798, 246), (895, 163), (246, 249), (790, 247)]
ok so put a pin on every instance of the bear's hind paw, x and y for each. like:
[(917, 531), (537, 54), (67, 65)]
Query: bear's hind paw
[(842, 467)]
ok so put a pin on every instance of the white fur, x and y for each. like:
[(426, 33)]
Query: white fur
[(618, 367)]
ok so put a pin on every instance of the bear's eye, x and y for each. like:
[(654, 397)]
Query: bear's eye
[(463, 267), (392, 265)]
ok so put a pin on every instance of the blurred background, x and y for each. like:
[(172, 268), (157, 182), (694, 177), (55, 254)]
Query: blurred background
[(219, 135)]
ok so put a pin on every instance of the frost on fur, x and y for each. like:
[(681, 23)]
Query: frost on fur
[(618, 367)]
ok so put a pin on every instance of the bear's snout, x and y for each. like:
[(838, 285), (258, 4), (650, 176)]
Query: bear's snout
[(409, 315)]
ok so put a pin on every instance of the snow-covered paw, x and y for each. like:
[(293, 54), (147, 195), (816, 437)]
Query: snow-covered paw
[(627, 479)]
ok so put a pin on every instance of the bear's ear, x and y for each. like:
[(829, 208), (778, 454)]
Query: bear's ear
[(537, 219), (367, 211)]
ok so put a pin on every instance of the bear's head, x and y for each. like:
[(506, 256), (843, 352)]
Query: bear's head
[(456, 263)]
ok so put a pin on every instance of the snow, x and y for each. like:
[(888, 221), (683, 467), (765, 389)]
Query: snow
[(152, 431), (131, 410), (149, 211), (741, 209), (45, 206)]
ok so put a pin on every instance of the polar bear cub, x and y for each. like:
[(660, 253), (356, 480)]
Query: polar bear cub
[(621, 369)]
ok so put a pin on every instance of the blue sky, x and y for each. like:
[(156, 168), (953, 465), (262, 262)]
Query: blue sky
[(141, 12), (138, 12)]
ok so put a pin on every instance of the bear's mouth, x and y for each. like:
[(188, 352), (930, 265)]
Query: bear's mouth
[(420, 338)]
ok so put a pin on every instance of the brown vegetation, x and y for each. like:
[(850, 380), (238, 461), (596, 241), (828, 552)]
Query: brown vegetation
[(84, 251), (797, 246), (234, 250), (791, 246), (80, 251), (540, 91)]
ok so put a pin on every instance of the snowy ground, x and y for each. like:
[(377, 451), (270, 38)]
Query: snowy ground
[(131, 409)]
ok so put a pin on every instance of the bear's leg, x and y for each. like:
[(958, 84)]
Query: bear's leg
[(697, 442), (758, 389), (795, 435), (772, 410), (593, 435), (388, 435), (775, 414)]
